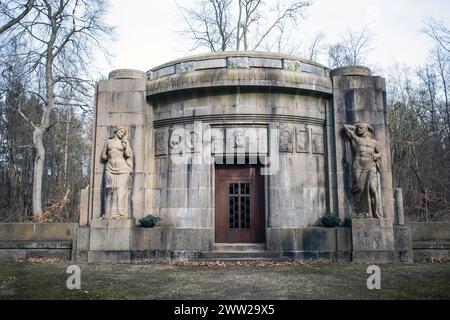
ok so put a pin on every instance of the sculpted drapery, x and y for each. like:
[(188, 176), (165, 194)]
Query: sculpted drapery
[(118, 155)]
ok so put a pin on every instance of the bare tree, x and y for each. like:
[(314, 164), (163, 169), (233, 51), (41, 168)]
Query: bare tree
[(351, 50), (208, 24), (443, 70), (419, 137), (248, 15), (220, 25), (316, 46), (55, 42), (439, 32), (7, 11), (311, 48)]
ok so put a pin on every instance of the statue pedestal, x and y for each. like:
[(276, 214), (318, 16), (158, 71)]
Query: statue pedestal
[(372, 240), (110, 240)]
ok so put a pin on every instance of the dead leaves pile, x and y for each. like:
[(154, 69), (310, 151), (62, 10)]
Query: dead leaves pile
[(432, 260), (48, 260), (244, 263)]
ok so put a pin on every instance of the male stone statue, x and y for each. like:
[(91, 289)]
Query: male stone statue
[(118, 155), (365, 170)]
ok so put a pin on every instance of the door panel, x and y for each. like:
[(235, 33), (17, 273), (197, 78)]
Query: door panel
[(240, 214)]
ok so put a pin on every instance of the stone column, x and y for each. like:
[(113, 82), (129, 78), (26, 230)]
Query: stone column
[(121, 101), (359, 97), (402, 232), (399, 212)]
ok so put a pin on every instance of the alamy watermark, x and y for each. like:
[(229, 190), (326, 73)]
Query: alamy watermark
[(374, 280), (74, 280)]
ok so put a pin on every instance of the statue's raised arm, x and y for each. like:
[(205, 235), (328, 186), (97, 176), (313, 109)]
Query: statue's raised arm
[(365, 169)]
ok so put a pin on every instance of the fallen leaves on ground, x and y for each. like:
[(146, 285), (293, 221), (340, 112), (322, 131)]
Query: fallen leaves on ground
[(48, 260), (244, 263), (432, 260)]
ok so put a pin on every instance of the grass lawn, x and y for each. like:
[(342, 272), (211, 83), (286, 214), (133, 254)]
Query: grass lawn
[(24, 280)]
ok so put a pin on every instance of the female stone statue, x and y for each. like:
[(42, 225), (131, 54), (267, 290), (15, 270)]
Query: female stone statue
[(365, 169), (118, 155)]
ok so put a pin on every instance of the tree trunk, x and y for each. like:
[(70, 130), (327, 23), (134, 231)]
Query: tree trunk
[(42, 127), (38, 170), (66, 150)]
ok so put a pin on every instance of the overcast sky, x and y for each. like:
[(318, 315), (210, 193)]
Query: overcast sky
[(147, 29)]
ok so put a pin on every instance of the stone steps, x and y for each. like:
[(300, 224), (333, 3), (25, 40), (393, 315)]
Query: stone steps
[(239, 252), (239, 247), (240, 256)]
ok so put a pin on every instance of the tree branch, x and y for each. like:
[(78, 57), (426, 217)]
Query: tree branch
[(17, 19)]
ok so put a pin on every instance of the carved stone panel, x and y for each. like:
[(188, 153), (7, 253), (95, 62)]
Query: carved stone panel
[(239, 138), (217, 141), (286, 138), (302, 139), (263, 145), (238, 62), (177, 141), (246, 139), (117, 155), (193, 142), (317, 142), (161, 138), (366, 170)]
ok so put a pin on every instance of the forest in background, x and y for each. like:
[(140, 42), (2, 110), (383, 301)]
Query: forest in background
[(47, 85)]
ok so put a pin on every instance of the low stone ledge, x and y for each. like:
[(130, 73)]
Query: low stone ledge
[(310, 239), (432, 245), (37, 231), (14, 254), (426, 254), (171, 238), (109, 256), (428, 231), (374, 256), (35, 245)]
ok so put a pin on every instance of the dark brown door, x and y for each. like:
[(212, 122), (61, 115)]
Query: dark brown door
[(240, 214)]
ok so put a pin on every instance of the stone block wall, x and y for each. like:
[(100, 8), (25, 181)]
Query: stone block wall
[(121, 101), (430, 240), (358, 97), (31, 240), (217, 111)]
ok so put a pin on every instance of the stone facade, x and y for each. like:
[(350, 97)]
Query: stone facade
[(281, 113)]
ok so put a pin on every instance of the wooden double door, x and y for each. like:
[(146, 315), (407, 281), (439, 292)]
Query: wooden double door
[(240, 216)]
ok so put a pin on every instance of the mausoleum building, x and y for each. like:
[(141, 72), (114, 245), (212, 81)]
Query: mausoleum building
[(242, 154)]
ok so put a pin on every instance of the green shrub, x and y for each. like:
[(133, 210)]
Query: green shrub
[(330, 220), (149, 221)]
